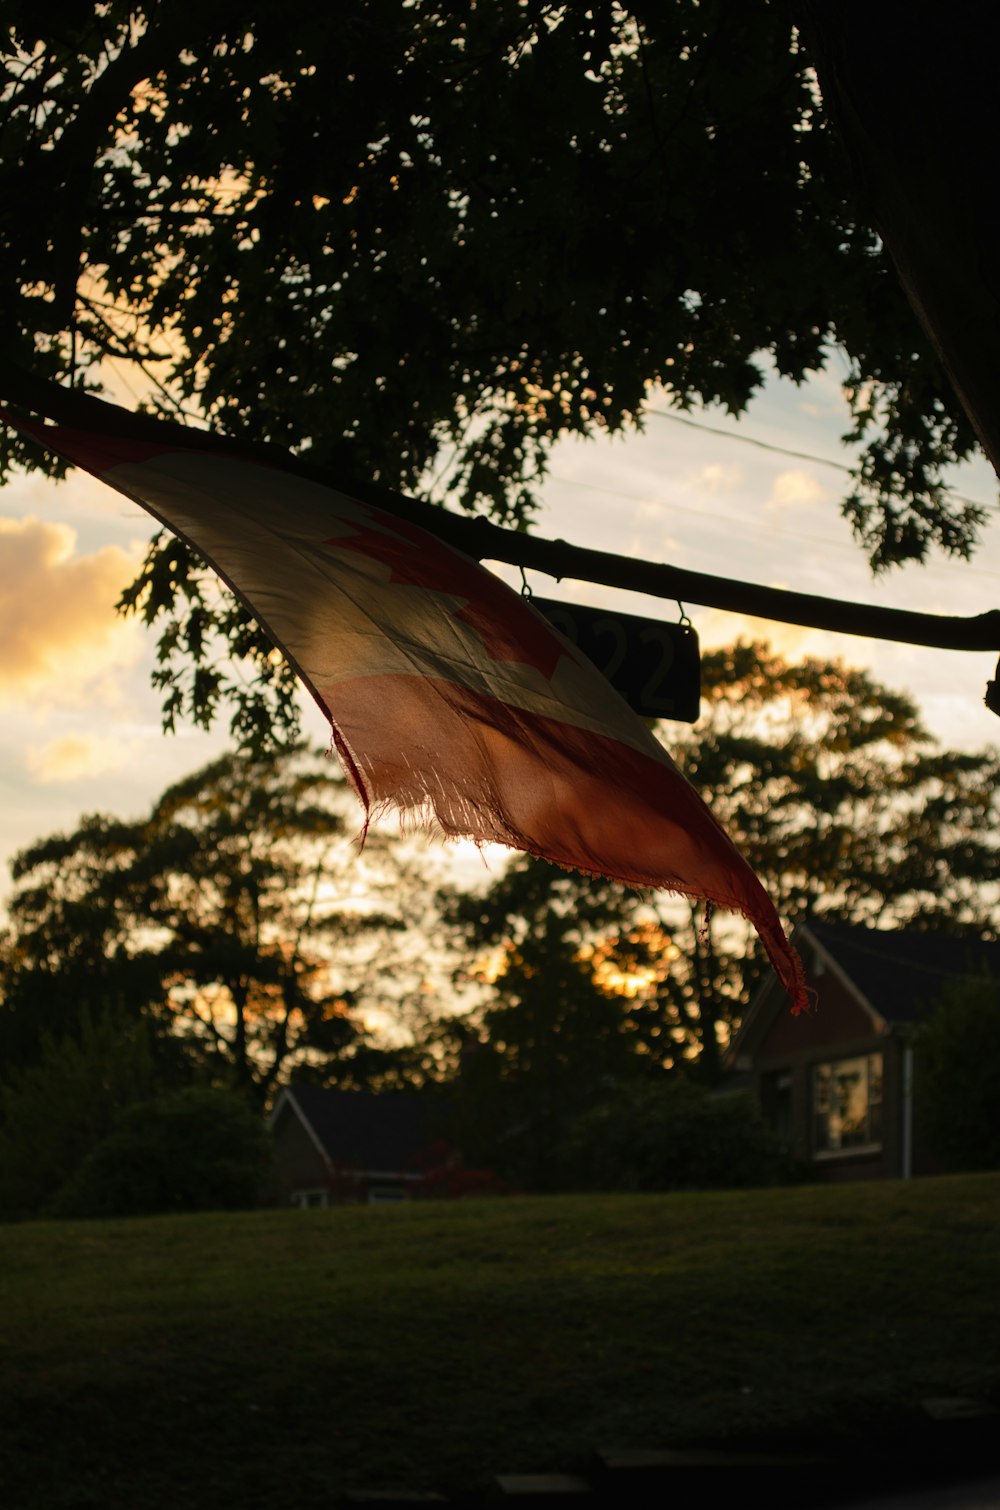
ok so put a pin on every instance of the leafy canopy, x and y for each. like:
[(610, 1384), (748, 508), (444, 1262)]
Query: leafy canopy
[(196, 1149), (843, 804), (54, 1110), (421, 242), (956, 1065), (237, 915)]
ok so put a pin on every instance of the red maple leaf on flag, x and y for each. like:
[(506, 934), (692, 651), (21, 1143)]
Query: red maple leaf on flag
[(508, 628), (471, 749)]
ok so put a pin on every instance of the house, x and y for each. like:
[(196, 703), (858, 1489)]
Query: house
[(837, 1082), (346, 1146)]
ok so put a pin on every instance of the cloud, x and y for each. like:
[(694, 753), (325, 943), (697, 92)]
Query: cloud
[(79, 496), (795, 490), (715, 478), (75, 756), (59, 633)]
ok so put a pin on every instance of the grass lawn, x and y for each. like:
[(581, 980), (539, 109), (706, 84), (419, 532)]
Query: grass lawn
[(280, 1358)]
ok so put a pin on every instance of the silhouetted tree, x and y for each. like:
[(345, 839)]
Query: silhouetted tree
[(422, 242), (238, 915), (843, 804), (54, 1110)]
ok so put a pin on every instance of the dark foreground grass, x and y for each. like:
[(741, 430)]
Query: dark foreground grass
[(279, 1359)]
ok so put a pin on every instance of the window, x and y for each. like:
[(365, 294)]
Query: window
[(847, 1105), (306, 1199)]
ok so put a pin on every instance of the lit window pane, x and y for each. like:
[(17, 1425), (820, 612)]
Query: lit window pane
[(847, 1104)]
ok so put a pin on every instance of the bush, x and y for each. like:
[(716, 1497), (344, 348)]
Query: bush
[(674, 1135), (956, 1061), (197, 1149), (54, 1112)]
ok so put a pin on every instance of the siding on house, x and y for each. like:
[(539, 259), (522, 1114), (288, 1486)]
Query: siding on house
[(840, 1027), (871, 987), (848, 1164), (335, 1146), (300, 1161), (837, 1018)]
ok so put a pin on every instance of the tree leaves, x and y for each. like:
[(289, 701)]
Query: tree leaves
[(842, 803), (210, 654), (237, 913), (419, 245)]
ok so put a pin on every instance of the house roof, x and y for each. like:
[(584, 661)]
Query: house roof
[(900, 971), (369, 1132), (890, 974)]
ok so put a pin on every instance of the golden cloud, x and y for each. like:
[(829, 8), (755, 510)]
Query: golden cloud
[(795, 490), (715, 478), (75, 756), (59, 632)]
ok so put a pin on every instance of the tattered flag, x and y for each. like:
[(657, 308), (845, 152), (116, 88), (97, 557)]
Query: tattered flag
[(447, 694)]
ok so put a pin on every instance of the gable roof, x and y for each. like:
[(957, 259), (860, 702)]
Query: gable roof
[(902, 970), (359, 1129), (891, 974)]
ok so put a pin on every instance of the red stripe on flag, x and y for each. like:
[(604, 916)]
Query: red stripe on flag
[(89, 449), (497, 615), (583, 800), (531, 768)]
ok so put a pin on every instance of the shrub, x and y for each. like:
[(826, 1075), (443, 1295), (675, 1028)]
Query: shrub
[(54, 1112), (198, 1149), (956, 1060), (674, 1135)]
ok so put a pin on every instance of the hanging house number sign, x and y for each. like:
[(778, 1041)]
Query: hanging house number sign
[(655, 666)]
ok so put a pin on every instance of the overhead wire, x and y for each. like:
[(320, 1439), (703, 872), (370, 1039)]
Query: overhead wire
[(827, 542), (767, 445), (485, 541)]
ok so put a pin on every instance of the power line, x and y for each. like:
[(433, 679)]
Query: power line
[(827, 542), (485, 541), (766, 445)]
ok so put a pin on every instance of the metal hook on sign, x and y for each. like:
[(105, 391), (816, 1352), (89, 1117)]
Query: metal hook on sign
[(685, 621), (525, 586)]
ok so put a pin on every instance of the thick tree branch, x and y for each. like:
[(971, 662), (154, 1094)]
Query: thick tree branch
[(485, 541), (67, 170)]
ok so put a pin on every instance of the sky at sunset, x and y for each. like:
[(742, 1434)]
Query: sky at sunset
[(80, 729)]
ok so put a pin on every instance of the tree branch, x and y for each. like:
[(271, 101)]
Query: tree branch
[(68, 168), (492, 542)]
